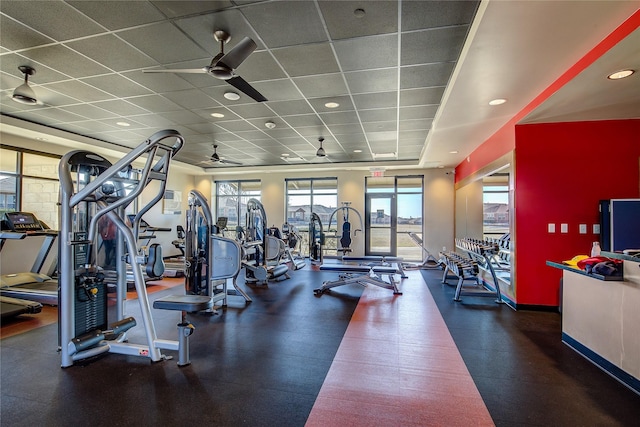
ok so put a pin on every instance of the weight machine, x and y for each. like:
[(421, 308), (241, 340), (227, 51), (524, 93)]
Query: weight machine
[(345, 236), (316, 239), (96, 191), (210, 258), (261, 251), (292, 241)]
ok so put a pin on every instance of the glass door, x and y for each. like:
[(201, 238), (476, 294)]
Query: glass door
[(381, 224)]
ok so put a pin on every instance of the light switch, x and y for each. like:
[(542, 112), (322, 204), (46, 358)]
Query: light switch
[(551, 227), (564, 228), (583, 228)]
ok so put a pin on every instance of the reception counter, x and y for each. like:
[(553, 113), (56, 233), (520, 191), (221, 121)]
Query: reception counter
[(601, 318)]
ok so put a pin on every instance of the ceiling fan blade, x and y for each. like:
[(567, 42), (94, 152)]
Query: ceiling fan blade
[(239, 53), (229, 162), (183, 71), (240, 84)]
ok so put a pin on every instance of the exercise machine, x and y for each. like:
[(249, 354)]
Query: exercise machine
[(316, 240), (97, 190), (261, 251), (173, 267), (345, 239), (32, 285), (210, 258), (292, 241), (429, 262), (11, 307)]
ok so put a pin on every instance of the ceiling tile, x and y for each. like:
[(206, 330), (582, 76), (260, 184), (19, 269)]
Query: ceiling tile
[(55, 19), (278, 90), (418, 112), (65, 60), (273, 20), (249, 111), (388, 126), (421, 96), (307, 59), (116, 85), (89, 111), (429, 46), (112, 52), (428, 75), (80, 91), (368, 52), (427, 14), (154, 103), (321, 85), (123, 108), (164, 43), (115, 14), (16, 36), (160, 83), (342, 23), (378, 115), (183, 7), (285, 108), (376, 100), (191, 99), (383, 80)]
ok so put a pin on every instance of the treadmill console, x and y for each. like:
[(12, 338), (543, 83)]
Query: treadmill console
[(22, 222)]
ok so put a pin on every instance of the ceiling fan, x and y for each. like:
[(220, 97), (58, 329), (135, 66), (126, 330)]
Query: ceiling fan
[(215, 158), (222, 65)]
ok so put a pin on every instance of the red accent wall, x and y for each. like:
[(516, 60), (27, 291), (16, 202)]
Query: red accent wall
[(562, 170)]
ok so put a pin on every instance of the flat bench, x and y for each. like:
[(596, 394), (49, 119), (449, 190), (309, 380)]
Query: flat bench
[(379, 260), (185, 304), (360, 274)]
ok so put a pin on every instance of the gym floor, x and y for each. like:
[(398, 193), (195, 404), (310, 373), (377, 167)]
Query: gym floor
[(353, 356)]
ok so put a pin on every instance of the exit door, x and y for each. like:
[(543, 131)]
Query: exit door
[(380, 224)]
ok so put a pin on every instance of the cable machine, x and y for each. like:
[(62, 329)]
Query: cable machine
[(345, 237), (210, 259), (97, 191)]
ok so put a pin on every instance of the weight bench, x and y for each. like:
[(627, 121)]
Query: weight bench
[(360, 274), (380, 261), (185, 304)]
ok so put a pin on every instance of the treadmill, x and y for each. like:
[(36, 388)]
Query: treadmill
[(32, 285)]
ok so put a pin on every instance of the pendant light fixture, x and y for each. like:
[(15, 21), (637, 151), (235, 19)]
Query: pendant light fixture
[(321, 152), (23, 93)]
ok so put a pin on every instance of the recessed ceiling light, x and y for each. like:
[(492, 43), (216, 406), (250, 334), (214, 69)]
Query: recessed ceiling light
[(620, 74), (285, 154), (270, 125), (123, 124), (357, 151), (497, 101), (332, 105), (231, 96), (217, 115), (453, 152), (41, 138), (359, 13)]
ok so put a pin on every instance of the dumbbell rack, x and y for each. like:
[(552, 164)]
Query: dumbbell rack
[(479, 254)]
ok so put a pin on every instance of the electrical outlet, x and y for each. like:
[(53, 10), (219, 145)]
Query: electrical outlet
[(551, 228), (596, 228), (564, 228), (583, 228)]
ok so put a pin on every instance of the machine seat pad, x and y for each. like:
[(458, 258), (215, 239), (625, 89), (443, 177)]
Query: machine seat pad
[(346, 268), (279, 270), (190, 303)]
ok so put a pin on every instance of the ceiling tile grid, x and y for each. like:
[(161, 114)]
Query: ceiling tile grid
[(385, 63)]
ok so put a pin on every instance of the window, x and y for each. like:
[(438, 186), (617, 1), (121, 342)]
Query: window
[(306, 196), (232, 198), (29, 182), (495, 205)]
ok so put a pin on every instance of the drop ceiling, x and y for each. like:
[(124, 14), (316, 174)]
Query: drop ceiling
[(412, 78)]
